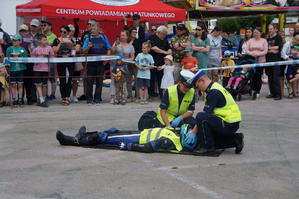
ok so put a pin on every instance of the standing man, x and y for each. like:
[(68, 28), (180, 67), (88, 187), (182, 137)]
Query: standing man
[(99, 44), (47, 30), (160, 48), (179, 42), (140, 32), (5, 40), (274, 54), (217, 124), (28, 72), (86, 34), (34, 33)]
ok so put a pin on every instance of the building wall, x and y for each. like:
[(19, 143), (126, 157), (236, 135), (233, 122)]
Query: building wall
[(8, 14)]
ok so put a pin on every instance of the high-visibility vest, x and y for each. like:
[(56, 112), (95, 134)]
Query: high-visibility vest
[(148, 135), (174, 109), (230, 113)]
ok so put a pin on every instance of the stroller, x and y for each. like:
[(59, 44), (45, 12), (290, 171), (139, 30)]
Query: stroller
[(245, 86)]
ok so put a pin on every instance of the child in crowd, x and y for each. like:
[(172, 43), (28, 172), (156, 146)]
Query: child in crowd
[(41, 70), (145, 63), (189, 62), (226, 72), (237, 77), (119, 71), (17, 70), (292, 72), (3, 83), (168, 73)]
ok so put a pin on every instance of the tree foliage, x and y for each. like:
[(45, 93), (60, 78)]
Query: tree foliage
[(231, 25)]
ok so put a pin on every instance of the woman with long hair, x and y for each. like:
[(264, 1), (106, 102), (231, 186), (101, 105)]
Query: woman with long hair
[(63, 47), (258, 48), (201, 46), (215, 54), (124, 47), (244, 41), (291, 36)]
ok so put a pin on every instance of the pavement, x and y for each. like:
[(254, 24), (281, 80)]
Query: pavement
[(34, 166)]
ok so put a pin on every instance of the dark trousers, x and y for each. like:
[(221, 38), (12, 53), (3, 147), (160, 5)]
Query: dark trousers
[(155, 76), (257, 79), (95, 73), (28, 80), (214, 132), (273, 73), (225, 81), (65, 86)]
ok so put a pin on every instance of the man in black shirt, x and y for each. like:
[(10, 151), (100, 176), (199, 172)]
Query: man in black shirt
[(273, 55), (160, 48)]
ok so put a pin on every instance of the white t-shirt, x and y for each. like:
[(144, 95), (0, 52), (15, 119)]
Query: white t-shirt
[(215, 46)]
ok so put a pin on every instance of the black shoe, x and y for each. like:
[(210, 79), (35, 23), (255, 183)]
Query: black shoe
[(239, 142), (82, 129), (270, 96), (82, 97), (203, 151), (277, 98), (64, 139), (29, 101)]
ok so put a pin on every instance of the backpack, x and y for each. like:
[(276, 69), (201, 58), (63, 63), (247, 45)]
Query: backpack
[(148, 120)]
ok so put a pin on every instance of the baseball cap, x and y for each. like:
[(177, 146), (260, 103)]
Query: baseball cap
[(296, 47), (188, 49), (34, 22), (135, 16), (227, 53), (181, 27), (17, 37), (23, 27), (47, 22)]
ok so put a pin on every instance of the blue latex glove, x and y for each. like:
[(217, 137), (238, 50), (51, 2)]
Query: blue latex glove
[(176, 122), (190, 138)]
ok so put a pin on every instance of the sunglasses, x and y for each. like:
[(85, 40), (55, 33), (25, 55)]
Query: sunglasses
[(197, 29), (248, 28), (154, 29), (63, 31), (179, 29), (89, 24), (43, 25)]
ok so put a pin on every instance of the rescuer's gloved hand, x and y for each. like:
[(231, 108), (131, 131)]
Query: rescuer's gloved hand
[(176, 122)]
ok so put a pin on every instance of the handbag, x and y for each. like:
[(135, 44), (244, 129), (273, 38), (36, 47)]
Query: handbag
[(78, 66)]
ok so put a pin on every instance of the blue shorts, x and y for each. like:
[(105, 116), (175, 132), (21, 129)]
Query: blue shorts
[(17, 77), (143, 83)]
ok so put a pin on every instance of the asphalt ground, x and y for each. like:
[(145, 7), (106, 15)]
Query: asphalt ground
[(34, 166)]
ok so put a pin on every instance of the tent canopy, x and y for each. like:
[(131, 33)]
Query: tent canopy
[(149, 10)]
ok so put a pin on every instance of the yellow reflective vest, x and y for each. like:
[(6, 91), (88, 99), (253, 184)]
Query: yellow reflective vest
[(174, 109), (148, 135), (230, 113)]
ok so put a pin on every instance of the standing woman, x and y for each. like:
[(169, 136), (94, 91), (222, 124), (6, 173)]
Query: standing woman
[(121, 47), (63, 47), (243, 43), (201, 46), (290, 38), (78, 50), (132, 68), (215, 54), (258, 48)]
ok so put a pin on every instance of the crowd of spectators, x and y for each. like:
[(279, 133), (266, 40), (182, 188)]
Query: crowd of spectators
[(30, 81)]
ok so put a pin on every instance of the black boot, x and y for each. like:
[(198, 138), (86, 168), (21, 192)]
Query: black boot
[(239, 142), (66, 140)]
